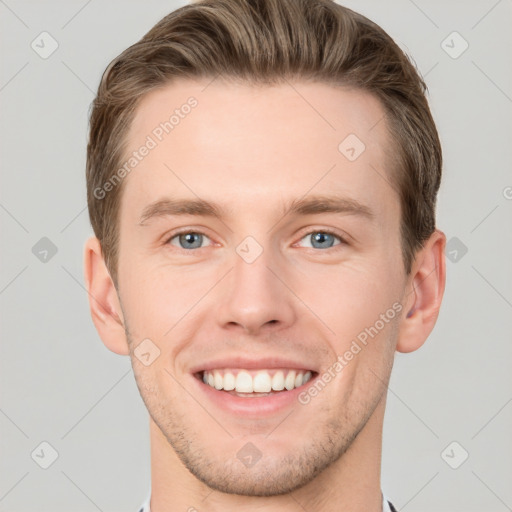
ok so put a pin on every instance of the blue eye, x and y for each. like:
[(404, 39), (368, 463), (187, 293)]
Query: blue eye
[(322, 239), (188, 240)]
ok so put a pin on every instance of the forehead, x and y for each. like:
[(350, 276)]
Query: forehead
[(250, 145)]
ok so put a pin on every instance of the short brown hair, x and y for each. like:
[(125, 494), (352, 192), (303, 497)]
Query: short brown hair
[(266, 42)]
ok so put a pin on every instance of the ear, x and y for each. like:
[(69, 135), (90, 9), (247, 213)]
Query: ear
[(103, 300), (423, 294)]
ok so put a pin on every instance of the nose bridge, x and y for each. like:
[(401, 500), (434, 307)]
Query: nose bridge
[(255, 297)]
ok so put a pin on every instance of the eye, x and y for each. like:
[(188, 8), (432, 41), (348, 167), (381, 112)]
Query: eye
[(322, 239), (319, 239), (187, 240)]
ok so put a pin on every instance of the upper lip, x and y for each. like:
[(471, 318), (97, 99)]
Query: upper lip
[(252, 364)]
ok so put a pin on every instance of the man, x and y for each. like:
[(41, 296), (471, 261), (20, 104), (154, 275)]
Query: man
[(262, 179)]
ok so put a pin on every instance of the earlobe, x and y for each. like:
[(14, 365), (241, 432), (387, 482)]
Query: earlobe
[(424, 294), (104, 303)]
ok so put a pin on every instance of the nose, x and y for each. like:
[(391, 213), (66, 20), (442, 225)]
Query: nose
[(256, 297)]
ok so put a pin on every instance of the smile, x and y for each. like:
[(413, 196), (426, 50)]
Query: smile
[(250, 388), (246, 383)]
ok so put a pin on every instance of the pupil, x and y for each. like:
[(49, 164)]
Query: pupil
[(191, 239), (321, 237)]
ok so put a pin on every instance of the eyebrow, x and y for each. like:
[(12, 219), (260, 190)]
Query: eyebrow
[(310, 205)]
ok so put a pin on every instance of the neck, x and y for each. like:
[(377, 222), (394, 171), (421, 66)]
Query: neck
[(350, 484)]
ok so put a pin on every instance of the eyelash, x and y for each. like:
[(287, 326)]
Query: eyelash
[(323, 231)]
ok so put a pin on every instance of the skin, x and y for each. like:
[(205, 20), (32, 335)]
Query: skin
[(253, 150)]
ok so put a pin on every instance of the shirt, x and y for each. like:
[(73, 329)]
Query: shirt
[(387, 506)]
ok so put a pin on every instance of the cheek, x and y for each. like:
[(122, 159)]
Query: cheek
[(147, 307), (162, 298), (349, 297)]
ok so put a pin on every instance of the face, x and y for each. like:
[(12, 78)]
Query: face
[(257, 247)]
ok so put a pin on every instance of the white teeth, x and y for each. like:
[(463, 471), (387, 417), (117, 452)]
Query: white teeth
[(289, 382), (218, 380), (278, 381), (229, 381), (262, 383), (242, 381)]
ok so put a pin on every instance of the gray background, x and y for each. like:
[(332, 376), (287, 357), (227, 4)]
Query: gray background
[(59, 383)]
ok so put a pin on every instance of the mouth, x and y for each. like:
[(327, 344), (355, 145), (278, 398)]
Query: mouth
[(250, 383), (254, 393), (251, 389), (254, 383)]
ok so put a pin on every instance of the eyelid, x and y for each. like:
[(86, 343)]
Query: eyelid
[(183, 231), (343, 238)]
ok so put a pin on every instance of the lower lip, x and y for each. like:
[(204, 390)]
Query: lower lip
[(252, 406)]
